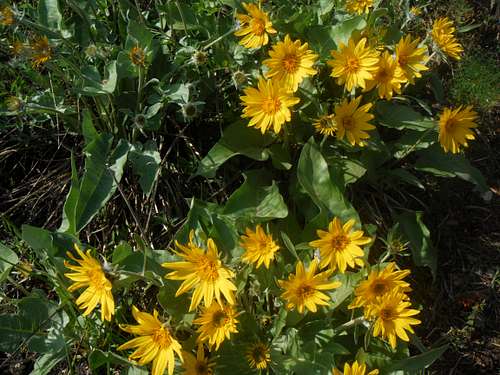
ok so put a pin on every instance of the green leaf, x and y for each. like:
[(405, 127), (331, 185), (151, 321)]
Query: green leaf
[(8, 259), (146, 164), (141, 36), (68, 224), (400, 117), (418, 362), (44, 364), (412, 141), (414, 229), (94, 85), (256, 199), (99, 358), (103, 170), (237, 139), (88, 129), (313, 175), (39, 239), (435, 161), (49, 14)]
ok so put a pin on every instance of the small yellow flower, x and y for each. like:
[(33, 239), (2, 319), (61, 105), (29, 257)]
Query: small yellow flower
[(216, 322), (340, 246), (358, 6), (6, 15), (90, 274), (260, 247), (352, 121), (290, 62), (354, 369), (268, 105), (41, 52), (137, 56), (13, 103), (303, 290), (155, 342), (415, 11), (455, 128), (258, 356), (388, 77), (411, 58), (378, 284), (202, 271), (326, 125), (17, 48), (443, 34), (199, 365), (353, 64), (393, 317), (254, 27)]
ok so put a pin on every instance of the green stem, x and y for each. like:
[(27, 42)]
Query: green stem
[(178, 5)]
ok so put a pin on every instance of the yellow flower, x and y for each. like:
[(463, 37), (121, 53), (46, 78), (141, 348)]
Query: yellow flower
[(378, 284), (411, 58), (415, 11), (393, 317), (90, 274), (199, 365), (6, 15), (355, 369), (353, 64), (17, 48), (325, 125), (137, 56), (13, 103), (155, 342), (216, 322), (268, 105), (254, 27), (358, 6), (259, 247), (41, 51), (202, 271), (443, 34), (258, 356), (388, 77), (352, 121), (303, 290), (339, 246), (455, 128), (290, 63)]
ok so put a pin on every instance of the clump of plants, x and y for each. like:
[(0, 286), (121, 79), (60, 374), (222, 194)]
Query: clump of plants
[(285, 276)]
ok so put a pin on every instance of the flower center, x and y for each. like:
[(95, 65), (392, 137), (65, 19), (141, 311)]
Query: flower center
[(340, 242), (219, 319), (352, 64), (290, 63), (403, 60), (386, 314), (378, 288), (450, 125), (258, 26), (161, 337), (271, 105), (383, 75), (305, 291), (259, 354), (96, 277), (208, 269)]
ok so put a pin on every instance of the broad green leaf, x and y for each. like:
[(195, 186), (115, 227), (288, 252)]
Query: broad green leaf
[(418, 362), (256, 199), (94, 85), (39, 239), (140, 35), (313, 175), (414, 229), (44, 364), (49, 14), (145, 163), (99, 358), (8, 259), (435, 161), (176, 307), (238, 139), (103, 170), (88, 129), (68, 224), (398, 116), (412, 141), (404, 176)]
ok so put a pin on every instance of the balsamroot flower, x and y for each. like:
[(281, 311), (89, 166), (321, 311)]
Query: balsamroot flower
[(199, 365), (41, 52), (354, 369), (353, 64), (455, 128), (268, 105), (254, 27), (155, 342), (443, 34), (325, 125), (340, 246), (202, 271), (260, 247), (258, 356), (90, 274), (393, 317), (388, 77), (137, 56), (411, 58), (303, 290), (216, 322), (6, 15), (352, 121), (358, 6), (290, 62)]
